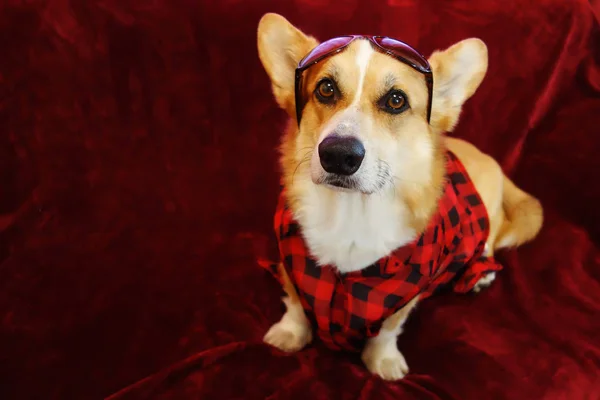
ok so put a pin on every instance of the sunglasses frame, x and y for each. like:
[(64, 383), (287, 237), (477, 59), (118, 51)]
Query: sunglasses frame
[(303, 65)]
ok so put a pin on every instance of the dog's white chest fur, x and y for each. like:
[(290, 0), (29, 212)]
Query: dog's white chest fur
[(351, 230)]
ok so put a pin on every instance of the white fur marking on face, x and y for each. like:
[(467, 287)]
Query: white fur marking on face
[(344, 118), (363, 56)]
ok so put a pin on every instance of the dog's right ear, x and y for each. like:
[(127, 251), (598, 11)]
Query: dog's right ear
[(280, 47)]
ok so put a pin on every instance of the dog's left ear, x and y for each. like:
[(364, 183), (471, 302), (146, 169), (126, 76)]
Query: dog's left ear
[(457, 73)]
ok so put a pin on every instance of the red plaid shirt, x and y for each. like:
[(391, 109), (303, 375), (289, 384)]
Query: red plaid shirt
[(348, 308)]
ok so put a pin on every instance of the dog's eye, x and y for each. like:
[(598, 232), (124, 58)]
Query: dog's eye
[(325, 91), (394, 102)]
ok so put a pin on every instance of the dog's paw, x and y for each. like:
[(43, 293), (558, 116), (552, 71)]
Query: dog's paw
[(385, 361), (484, 282), (288, 336)]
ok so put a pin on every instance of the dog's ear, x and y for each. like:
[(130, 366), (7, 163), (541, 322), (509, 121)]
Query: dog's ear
[(280, 47), (457, 73)]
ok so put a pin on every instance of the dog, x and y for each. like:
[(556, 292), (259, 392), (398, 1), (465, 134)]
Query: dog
[(368, 175)]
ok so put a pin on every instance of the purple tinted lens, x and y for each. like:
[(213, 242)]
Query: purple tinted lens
[(325, 49), (404, 51)]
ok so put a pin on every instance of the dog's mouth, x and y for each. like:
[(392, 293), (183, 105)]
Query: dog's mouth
[(356, 183), (340, 182)]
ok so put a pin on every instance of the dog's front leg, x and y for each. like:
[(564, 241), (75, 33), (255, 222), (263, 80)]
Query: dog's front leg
[(381, 354), (293, 331)]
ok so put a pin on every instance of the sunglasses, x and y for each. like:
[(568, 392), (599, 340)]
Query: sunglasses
[(392, 47)]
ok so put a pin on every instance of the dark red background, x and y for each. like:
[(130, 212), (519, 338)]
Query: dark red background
[(138, 178)]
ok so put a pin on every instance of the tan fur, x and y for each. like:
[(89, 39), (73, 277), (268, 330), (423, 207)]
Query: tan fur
[(523, 216), (293, 331), (412, 148), (451, 89), (274, 32), (515, 216), (288, 286)]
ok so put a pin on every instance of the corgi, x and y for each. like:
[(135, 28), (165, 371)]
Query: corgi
[(378, 207)]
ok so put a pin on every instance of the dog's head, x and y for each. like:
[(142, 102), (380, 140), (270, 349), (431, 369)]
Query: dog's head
[(364, 122)]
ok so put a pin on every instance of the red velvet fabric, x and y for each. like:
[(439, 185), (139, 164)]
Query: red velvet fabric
[(138, 180)]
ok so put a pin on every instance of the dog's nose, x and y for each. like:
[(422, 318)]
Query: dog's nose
[(341, 155)]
